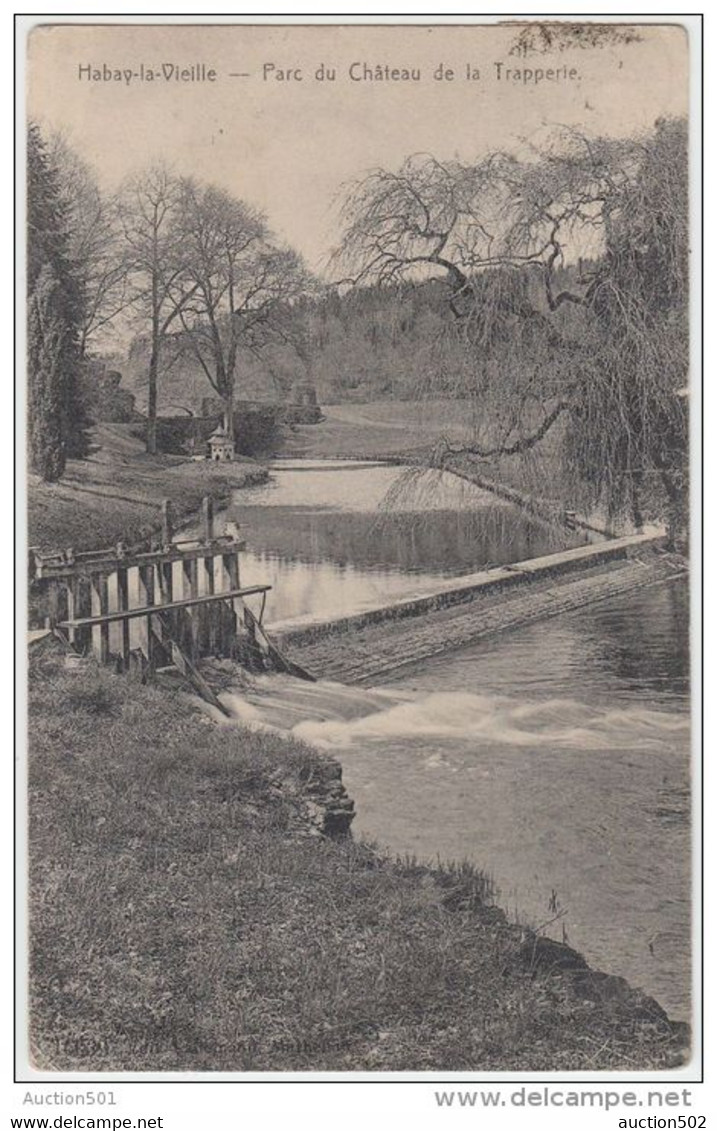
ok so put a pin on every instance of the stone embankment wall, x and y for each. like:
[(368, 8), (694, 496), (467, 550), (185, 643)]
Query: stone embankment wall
[(362, 647), (327, 807)]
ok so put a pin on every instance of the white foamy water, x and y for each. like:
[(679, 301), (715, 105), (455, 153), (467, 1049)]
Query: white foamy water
[(555, 757), (457, 716)]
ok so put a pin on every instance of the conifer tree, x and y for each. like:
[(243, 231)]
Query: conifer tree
[(56, 418), (47, 334)]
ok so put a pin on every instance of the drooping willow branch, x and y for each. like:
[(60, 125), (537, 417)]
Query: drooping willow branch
[(523, 444)]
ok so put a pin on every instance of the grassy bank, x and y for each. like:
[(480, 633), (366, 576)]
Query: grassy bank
[(185, 915), (117, 491), (415, 431), (379, 430)]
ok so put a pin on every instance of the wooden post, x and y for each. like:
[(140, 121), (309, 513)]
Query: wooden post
[(79, 605), (208, 570), (230, 571), (54, 613), (207, 519), (209, 641), (165, 581), (145, 596), (167, 523), (229, 619), (190, 589), (122, 605), (99, 604)]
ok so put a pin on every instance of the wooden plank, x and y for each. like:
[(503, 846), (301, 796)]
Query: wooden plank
[(79, 607), (190, 591), (145, 595), (99, 600), (122, 606), (186, 667), (272, 653), (148, 609), (110, 562)]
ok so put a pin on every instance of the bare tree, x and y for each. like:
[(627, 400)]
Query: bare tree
[(429, 217), (236, 283), (567, 277), (148, 207), (446, 219), (94, 242)]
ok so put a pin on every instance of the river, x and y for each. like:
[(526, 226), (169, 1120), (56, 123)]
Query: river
[(339, 537), (556, 757)]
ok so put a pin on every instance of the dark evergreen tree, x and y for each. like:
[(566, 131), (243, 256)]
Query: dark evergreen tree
[(56, 418), (47, 341)]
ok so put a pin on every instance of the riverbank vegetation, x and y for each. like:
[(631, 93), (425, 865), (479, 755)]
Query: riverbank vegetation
[(115, 493), (184, 915)]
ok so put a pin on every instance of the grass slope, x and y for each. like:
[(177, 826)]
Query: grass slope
[(183, 917), (380, 430), (116, 493), (416, 432)]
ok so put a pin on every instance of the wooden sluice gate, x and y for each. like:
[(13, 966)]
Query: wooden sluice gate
[(170, 606)]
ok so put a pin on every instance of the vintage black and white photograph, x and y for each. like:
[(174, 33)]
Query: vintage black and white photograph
[(358, 522)]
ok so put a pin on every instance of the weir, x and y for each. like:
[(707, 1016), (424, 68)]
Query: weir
[(181, 602), (461, 611)]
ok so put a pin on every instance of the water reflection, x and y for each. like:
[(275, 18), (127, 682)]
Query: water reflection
[(338, 540), (634, 647)]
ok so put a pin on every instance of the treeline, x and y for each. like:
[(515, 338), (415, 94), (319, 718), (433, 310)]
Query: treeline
[(552, 292), (374, 342), (365, 344), (189, 268)]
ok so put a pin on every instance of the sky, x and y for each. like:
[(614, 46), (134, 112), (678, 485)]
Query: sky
[(291, 146)]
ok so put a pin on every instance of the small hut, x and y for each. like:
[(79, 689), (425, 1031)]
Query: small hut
[(221, 446), (303, 408), (303, 394)]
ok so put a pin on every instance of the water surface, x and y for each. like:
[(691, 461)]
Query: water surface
[(555, 757), (338, 537)]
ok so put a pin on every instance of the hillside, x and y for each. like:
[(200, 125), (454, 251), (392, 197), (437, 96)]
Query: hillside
[(371, 343)]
